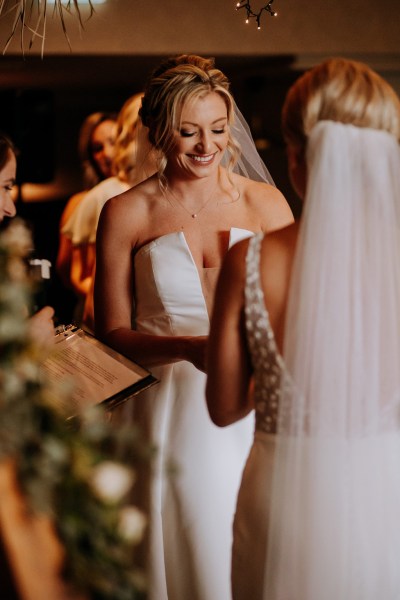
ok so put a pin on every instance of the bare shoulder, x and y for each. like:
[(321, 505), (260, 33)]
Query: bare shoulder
[(268, 202), (134, 203), (256, 190)]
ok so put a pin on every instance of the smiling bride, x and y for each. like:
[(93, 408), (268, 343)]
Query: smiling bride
[(160, 246)]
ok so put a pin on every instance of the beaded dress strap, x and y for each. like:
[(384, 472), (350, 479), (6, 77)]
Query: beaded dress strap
[(266, 360)]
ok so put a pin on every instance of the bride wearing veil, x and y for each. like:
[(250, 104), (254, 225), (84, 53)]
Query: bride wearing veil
[(306, 328)]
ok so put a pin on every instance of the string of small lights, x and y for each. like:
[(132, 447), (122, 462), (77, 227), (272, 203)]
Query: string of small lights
[(256, 15)]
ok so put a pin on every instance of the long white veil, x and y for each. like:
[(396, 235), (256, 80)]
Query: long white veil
[(335, 514), (250, 163)]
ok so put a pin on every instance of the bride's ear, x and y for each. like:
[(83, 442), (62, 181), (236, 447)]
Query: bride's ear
[(297, 169)]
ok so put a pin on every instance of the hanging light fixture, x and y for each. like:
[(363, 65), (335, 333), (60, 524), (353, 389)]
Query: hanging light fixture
[(252, 14), (30, 17)]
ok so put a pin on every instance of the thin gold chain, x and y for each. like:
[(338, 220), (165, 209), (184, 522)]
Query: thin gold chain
[(195, 214)]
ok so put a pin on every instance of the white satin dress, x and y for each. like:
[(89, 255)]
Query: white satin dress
[(191, 511)]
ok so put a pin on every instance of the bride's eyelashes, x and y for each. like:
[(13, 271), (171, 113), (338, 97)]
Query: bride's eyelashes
[(185, 133)]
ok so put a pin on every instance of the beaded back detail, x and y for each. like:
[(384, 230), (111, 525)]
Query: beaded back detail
[(266, 360)]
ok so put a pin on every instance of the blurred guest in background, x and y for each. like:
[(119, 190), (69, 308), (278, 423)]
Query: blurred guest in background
[(132, 162), (41, 325), (96, 147)]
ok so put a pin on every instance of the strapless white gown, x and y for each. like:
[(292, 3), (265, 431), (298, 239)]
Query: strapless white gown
[(191, 512)]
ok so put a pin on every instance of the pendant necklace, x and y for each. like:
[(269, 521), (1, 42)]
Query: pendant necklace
[(195, 214)]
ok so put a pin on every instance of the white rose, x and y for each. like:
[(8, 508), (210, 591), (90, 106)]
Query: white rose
[(111, 481), (132, 524)]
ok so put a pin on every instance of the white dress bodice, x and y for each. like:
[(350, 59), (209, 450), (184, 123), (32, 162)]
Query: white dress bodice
[(168, 292)]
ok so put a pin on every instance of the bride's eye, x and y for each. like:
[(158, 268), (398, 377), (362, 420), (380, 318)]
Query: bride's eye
[(219, 131), (186, 133)]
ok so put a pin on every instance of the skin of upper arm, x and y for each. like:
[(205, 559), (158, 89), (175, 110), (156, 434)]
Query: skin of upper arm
[(114, 269), (82, 265), (64, 255), (229, 370), (63, 261)]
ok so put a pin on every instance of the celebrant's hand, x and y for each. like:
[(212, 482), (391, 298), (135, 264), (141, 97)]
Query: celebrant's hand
[(41, 327)]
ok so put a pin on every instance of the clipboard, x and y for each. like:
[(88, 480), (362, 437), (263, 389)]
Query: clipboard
[(99, 374)]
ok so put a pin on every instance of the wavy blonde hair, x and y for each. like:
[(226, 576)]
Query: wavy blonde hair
[(341, 90), (174, 83), (134, 158)]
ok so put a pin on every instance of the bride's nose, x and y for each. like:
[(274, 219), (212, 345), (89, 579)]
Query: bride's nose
[(205, 142)]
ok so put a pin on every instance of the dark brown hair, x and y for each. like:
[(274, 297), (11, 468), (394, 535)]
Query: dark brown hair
[(6, 146)]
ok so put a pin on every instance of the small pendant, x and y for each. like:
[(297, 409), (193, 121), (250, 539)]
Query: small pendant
[(194, 216)]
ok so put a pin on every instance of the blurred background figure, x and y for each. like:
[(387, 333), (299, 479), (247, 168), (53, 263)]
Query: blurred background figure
[(96, 146), (8, 172), (133, 161), (41, 325)]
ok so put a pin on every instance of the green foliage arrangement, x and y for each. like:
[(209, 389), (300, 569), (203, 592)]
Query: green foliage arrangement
[(64, 468)]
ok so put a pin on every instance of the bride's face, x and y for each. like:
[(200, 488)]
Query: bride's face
[(199, 144)]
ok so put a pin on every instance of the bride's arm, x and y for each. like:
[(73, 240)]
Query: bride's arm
[(228, 390), (117, 234)]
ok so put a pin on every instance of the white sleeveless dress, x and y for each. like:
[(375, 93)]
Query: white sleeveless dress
[(251, 518), (191, 511)]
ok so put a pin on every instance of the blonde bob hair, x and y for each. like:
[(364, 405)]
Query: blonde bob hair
[(341, 90), (174, 83)]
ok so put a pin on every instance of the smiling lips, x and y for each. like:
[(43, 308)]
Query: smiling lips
[(202, 158)]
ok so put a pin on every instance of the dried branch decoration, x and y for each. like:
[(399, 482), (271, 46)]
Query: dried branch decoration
[(251, 14), (31, 17)]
